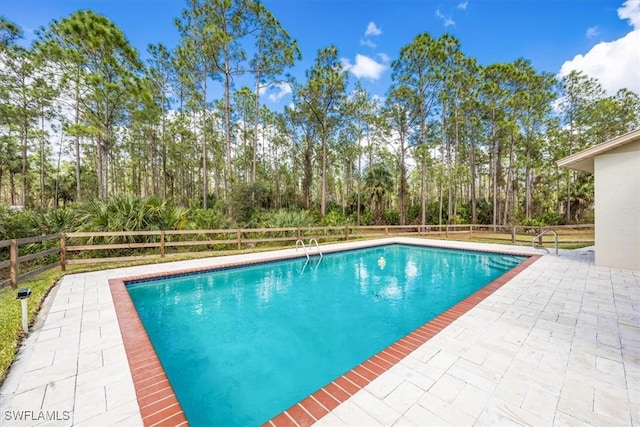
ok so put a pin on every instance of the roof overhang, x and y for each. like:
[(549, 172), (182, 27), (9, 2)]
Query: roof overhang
[(584, 159)]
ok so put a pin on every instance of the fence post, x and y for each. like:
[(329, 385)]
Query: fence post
[(239, 239), (162, 244), (446, 231), (63, 252), (13, 263), (346, 233), (513, 234)]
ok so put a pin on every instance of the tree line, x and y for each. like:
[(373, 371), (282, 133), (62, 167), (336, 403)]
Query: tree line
[(84, 120)]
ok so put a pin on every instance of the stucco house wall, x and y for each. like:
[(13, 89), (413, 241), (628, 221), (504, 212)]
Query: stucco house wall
[(616, 168), (617, 199)]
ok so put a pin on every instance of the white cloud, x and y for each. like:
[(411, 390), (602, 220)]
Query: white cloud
[(367, 42), (592, 32), (616, 63), (372, 30), (630, 10), (463, 5), (384, 57), (282, 90), (364, 67), (446, 19)]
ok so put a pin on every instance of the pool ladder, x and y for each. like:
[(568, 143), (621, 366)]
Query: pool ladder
[(300, 242)]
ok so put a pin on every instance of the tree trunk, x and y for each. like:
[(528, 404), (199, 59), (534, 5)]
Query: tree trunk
[(103, 169), (496, 170), (323, 195), (163, 142), (205, 171), (12, 186), (423, 190), (227, 121), (77, 145), (402, 189), (25, 136), (359, 184), (527, 190), (42, 163), (256, 113), (509, 184), (307, 172), (472, 171)]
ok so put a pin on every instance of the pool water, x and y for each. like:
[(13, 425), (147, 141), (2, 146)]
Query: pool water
[(241, 345)]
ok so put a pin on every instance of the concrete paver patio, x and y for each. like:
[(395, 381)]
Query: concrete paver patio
[(559, 344)]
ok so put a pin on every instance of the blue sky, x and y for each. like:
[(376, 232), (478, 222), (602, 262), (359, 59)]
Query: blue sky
[(600, 37)]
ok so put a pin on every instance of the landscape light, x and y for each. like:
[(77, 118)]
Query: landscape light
[(23, 296)]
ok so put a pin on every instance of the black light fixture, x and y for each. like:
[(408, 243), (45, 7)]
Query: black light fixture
[(23, 296), (24, 293)]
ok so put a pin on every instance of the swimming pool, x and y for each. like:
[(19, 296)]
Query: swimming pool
[(241, 345)]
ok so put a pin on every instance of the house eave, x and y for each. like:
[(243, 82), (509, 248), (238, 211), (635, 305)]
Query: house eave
[(584, 159)]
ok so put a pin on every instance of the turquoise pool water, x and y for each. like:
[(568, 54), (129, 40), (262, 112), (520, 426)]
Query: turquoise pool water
[(241, 345)]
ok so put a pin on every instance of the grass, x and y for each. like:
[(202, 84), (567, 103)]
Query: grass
[(11, 333)]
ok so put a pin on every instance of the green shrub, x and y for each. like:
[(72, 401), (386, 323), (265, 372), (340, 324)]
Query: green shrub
[(366, 218), (335, 218), (131, 213), (210, 219), (532, 222), (392, 217), (284, 218), (248, 200)]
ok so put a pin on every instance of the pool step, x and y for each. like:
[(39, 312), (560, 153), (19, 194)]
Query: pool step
[(503, 262)]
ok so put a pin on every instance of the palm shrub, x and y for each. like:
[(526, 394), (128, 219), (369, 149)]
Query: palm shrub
[(61, 220), (284, 218), (335, 218), (130, 213), (209, 219)]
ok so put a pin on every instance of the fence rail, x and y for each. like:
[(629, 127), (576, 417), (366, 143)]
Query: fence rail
[(15, 259), (108, 247)]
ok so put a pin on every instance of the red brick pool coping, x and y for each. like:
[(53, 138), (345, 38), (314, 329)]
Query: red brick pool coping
[(159, 405)]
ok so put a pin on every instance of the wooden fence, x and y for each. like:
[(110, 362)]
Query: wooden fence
[(14, 261), (108, 247)]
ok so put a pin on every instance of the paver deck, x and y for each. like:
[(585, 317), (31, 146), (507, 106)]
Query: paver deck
[(559, 344)]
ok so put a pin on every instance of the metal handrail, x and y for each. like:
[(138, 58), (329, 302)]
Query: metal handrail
[(539, 236), (313, 239), (306, 252)]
